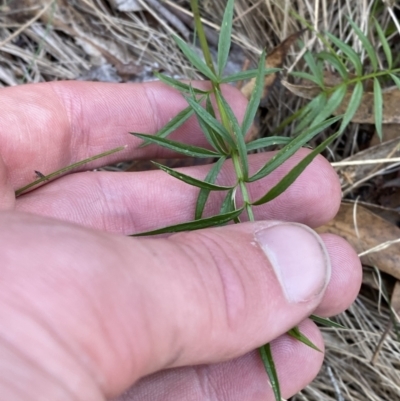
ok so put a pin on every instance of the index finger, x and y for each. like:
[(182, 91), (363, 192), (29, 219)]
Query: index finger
[(48, 126)]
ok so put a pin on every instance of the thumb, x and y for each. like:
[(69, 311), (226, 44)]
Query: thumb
[(113, 309)]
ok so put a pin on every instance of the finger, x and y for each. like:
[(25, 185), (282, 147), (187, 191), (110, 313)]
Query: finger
[(346, 278), (138, 202), (7, 198), (56, 124), (118, 309), (241, 379)]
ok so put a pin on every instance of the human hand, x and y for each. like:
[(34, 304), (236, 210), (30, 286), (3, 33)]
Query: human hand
[(87, 312)]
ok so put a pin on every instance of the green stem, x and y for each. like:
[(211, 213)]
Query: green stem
[(201, 34), (224, 118)]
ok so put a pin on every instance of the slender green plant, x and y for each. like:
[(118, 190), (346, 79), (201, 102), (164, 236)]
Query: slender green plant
[(226, 135), (354, 72)]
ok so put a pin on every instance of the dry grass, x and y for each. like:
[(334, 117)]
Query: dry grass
[(93, 40)]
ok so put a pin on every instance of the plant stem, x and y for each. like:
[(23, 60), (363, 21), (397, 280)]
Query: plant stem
[(201, 34), (224, 118)]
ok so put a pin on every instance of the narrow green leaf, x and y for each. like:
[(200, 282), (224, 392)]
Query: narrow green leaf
[(378, 107), (204, 193), (334, 101), (219, 142), (213, 139), (396, 80), (326, 322), (366, 44), (173, 124), (255, 98), (385, 44), (297, 115), (190, 180), (224, 43), (239, 136), (320, 108), (354, 103), (183, 148), (292, 147), (180, 86), (249, 74), (269, 365), (268, 141), (44, 179), (290, 177), (194, 58), (311, 111), (335, 61), (349, 52), (299, 336), (213, 221), (308, 77), (228, 205), (212, 122), (209, 107), (315, 69)]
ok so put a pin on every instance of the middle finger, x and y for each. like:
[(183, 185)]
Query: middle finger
[(135, 202)]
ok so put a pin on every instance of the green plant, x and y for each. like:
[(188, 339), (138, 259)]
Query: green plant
[(226, 136), (350, 92)]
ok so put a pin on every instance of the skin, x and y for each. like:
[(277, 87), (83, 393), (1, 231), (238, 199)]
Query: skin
[(90, 314)]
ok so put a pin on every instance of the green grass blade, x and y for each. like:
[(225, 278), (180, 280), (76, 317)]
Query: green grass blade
[(249, 74), (299, 336), (354, 104), (378, 107), (224, 42), (268, 141), (207, 222), (255, 98), (326, 322), (204, 193), (211, 121), (269, 365), (183, 148), (333, 60), (292, 147), (366, 44), (396, 80), (385, 44), (44, 179), (190, 180), (173, 124), (349, 52), (239, 137), (194, 58), (293, 174), (180, 86)]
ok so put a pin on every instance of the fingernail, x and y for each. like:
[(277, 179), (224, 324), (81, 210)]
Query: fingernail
[(299, 258)]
